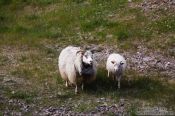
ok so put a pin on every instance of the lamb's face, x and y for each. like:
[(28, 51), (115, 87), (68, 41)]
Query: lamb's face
[(88, 57), (117, 66)]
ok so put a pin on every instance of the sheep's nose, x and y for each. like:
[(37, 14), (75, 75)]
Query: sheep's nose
[(115, 69), (91, 62)]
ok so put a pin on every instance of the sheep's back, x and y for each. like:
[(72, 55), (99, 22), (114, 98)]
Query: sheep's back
[(67, 57)]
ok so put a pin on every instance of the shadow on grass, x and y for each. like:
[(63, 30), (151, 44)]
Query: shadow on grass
[(135, 87)]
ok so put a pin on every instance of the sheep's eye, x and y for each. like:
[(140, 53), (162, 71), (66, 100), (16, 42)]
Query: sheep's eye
[(85, 56), (112, 62)]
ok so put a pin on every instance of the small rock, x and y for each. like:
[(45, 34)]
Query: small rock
[(109, 36), (167, 64)]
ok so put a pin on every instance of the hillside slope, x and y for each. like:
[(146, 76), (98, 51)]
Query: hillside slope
[(33, 32)]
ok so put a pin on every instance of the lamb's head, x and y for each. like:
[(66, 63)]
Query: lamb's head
[(117, 66)]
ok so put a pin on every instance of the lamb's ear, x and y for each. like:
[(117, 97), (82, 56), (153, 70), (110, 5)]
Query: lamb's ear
[(112, 62), (121, 63)]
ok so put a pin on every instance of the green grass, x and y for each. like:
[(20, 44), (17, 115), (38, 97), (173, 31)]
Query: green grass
[(55, 25), (45, 83), (165, 25), (34, 23), (1, 114), (3, 60), (135, 87), (28, 97), (132, 111)]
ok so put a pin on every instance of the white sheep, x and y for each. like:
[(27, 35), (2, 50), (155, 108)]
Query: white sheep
[(76, 66), (116, 64)]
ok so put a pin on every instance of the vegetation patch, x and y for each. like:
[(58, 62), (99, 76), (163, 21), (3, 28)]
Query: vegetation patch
[(165, 25)]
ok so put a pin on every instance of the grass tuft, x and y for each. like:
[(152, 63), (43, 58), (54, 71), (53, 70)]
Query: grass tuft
[(28, 97), (165, 25)]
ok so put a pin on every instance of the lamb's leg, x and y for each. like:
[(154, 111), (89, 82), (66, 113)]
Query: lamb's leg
[(119, 82), (76, 89)]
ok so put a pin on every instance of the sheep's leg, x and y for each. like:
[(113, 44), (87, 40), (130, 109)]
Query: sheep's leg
[(67, 84), (76, 89), (108, 73), (82, 86), (113, 78)]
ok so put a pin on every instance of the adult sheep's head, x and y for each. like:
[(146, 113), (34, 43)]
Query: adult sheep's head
[(86, 56)]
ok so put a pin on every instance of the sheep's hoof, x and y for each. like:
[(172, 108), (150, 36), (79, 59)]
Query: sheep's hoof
[(67, 84), (76, 92), (82, 87)]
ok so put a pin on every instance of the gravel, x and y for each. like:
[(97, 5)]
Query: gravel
[(143, 61)]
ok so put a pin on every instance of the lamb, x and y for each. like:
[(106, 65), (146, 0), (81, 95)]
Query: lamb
[(76, 66), (116, 65)]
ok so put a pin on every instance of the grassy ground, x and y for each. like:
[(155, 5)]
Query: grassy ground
[(32, 32)]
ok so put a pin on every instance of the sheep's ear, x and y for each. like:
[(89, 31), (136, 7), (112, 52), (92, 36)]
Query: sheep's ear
[(92, 51), (112, 62), (83, 48), (80, 51)]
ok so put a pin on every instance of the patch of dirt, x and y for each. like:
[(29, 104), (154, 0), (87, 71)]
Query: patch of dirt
[(117, 109), (99, 110), (148, 5), (12, 80), (157, 8), (121, 108)]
